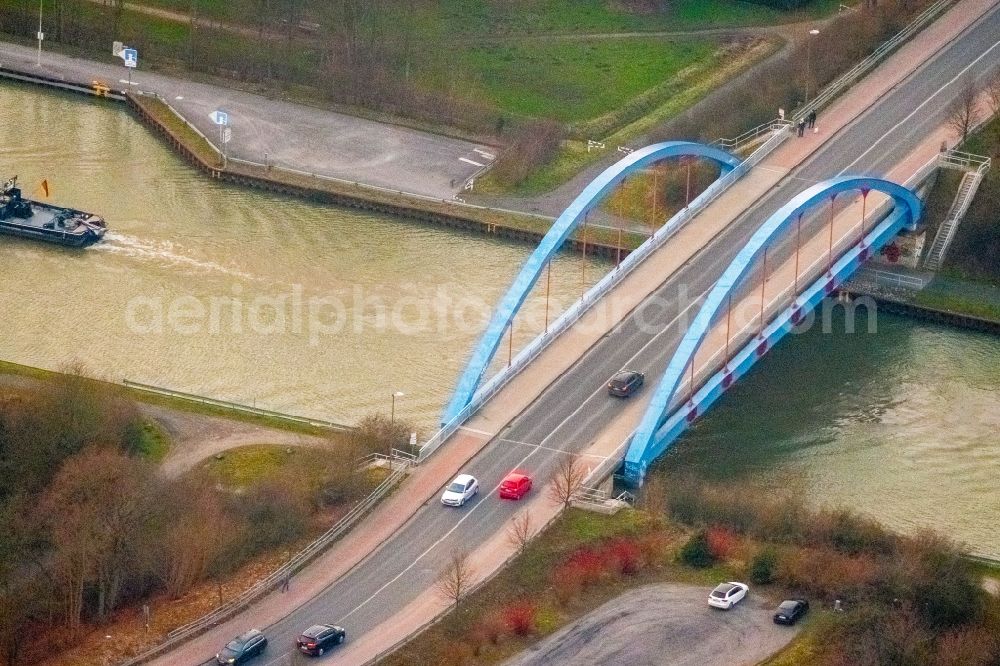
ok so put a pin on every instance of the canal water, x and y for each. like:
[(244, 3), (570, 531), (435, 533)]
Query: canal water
[(236, 294), (902, 424), (310, 309)]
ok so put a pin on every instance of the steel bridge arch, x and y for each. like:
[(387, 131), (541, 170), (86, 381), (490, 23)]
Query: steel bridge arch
[(644, 447), (561, 229)]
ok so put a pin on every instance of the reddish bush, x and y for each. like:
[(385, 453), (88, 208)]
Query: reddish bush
[(827, 574), (567, 582), (626, 555), (967, 647), (592, 565), (722, 542), (519, 618)]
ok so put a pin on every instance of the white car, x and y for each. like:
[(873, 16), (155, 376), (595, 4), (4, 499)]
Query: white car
[(727, 595), (460, 491)]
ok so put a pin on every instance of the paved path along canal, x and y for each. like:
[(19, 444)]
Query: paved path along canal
[(291, 135)]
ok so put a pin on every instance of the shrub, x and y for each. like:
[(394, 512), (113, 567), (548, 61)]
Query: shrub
[(519, 618), (722, 543), (490, 628), (534, 144), (763, 566), (696, 551), (591, 564), (626, 555)]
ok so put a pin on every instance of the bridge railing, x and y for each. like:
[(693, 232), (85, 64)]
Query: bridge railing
[(529, 353), (752, 136), (852, 75), (956, 159), (399, 468), (599, 290)]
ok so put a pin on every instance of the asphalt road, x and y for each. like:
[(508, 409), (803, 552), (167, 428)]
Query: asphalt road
[(659, 625), (290, 135), (572, 410)]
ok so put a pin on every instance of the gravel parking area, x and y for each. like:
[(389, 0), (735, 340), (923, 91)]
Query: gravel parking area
[(664, 624)]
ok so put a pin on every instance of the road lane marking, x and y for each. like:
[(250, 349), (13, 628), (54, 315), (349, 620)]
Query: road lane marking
[(922, 105), (550, 448), (486, 155), (468, 161), (491, 435), (535, 450)]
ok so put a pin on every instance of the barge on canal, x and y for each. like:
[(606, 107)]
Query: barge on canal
[(41, 221)]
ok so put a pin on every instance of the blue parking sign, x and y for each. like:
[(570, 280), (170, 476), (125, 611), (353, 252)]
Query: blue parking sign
[(131, 57)]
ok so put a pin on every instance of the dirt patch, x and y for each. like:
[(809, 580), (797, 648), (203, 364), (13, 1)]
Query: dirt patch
[(194, 437)]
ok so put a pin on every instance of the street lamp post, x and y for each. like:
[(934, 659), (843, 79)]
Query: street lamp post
[(392, 411), (812, 33), (40, 35)]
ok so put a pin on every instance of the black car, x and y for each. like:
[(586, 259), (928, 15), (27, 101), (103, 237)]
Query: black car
[(625, 383), (319, 638), (790, 611), (243, 648)]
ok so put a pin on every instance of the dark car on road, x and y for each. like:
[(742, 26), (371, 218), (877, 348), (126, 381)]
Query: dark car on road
[(790, 611), (319, 638), (243, 648), (625, 383)]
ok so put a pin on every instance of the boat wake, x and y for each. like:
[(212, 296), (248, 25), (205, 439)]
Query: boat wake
[(164, 252)]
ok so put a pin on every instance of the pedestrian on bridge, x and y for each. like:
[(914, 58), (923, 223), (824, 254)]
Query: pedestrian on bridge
[(802, 126), (812, 119)]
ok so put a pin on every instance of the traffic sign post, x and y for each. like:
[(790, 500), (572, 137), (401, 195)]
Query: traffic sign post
[(131, 58), (221, 118)]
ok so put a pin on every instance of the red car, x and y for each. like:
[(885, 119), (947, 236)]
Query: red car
[(515, 486)]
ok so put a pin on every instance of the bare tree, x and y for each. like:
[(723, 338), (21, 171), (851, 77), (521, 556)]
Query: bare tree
[(567, 480), (456, 578), (963, 112), (519, 531)]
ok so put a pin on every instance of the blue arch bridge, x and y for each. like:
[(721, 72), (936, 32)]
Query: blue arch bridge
[(686, 390)]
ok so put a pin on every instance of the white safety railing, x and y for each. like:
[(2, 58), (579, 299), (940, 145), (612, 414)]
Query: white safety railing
[(598, 291), (848, 79), (946, 232), (235, 406), (754, 135), (283, 573), (956, 159)]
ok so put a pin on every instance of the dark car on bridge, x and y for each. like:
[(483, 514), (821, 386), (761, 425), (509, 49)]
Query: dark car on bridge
[(243, 648), (625, 383), (790, 611), (319, 638)]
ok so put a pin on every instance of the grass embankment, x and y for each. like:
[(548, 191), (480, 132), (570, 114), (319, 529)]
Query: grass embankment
[(182, 132), (953, 292), (975, 250), (635, 117), (485, 18), (906, 599), (171, 402), (244, 466)]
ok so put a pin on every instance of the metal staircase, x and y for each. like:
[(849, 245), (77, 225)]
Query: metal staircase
[(974, 167)]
